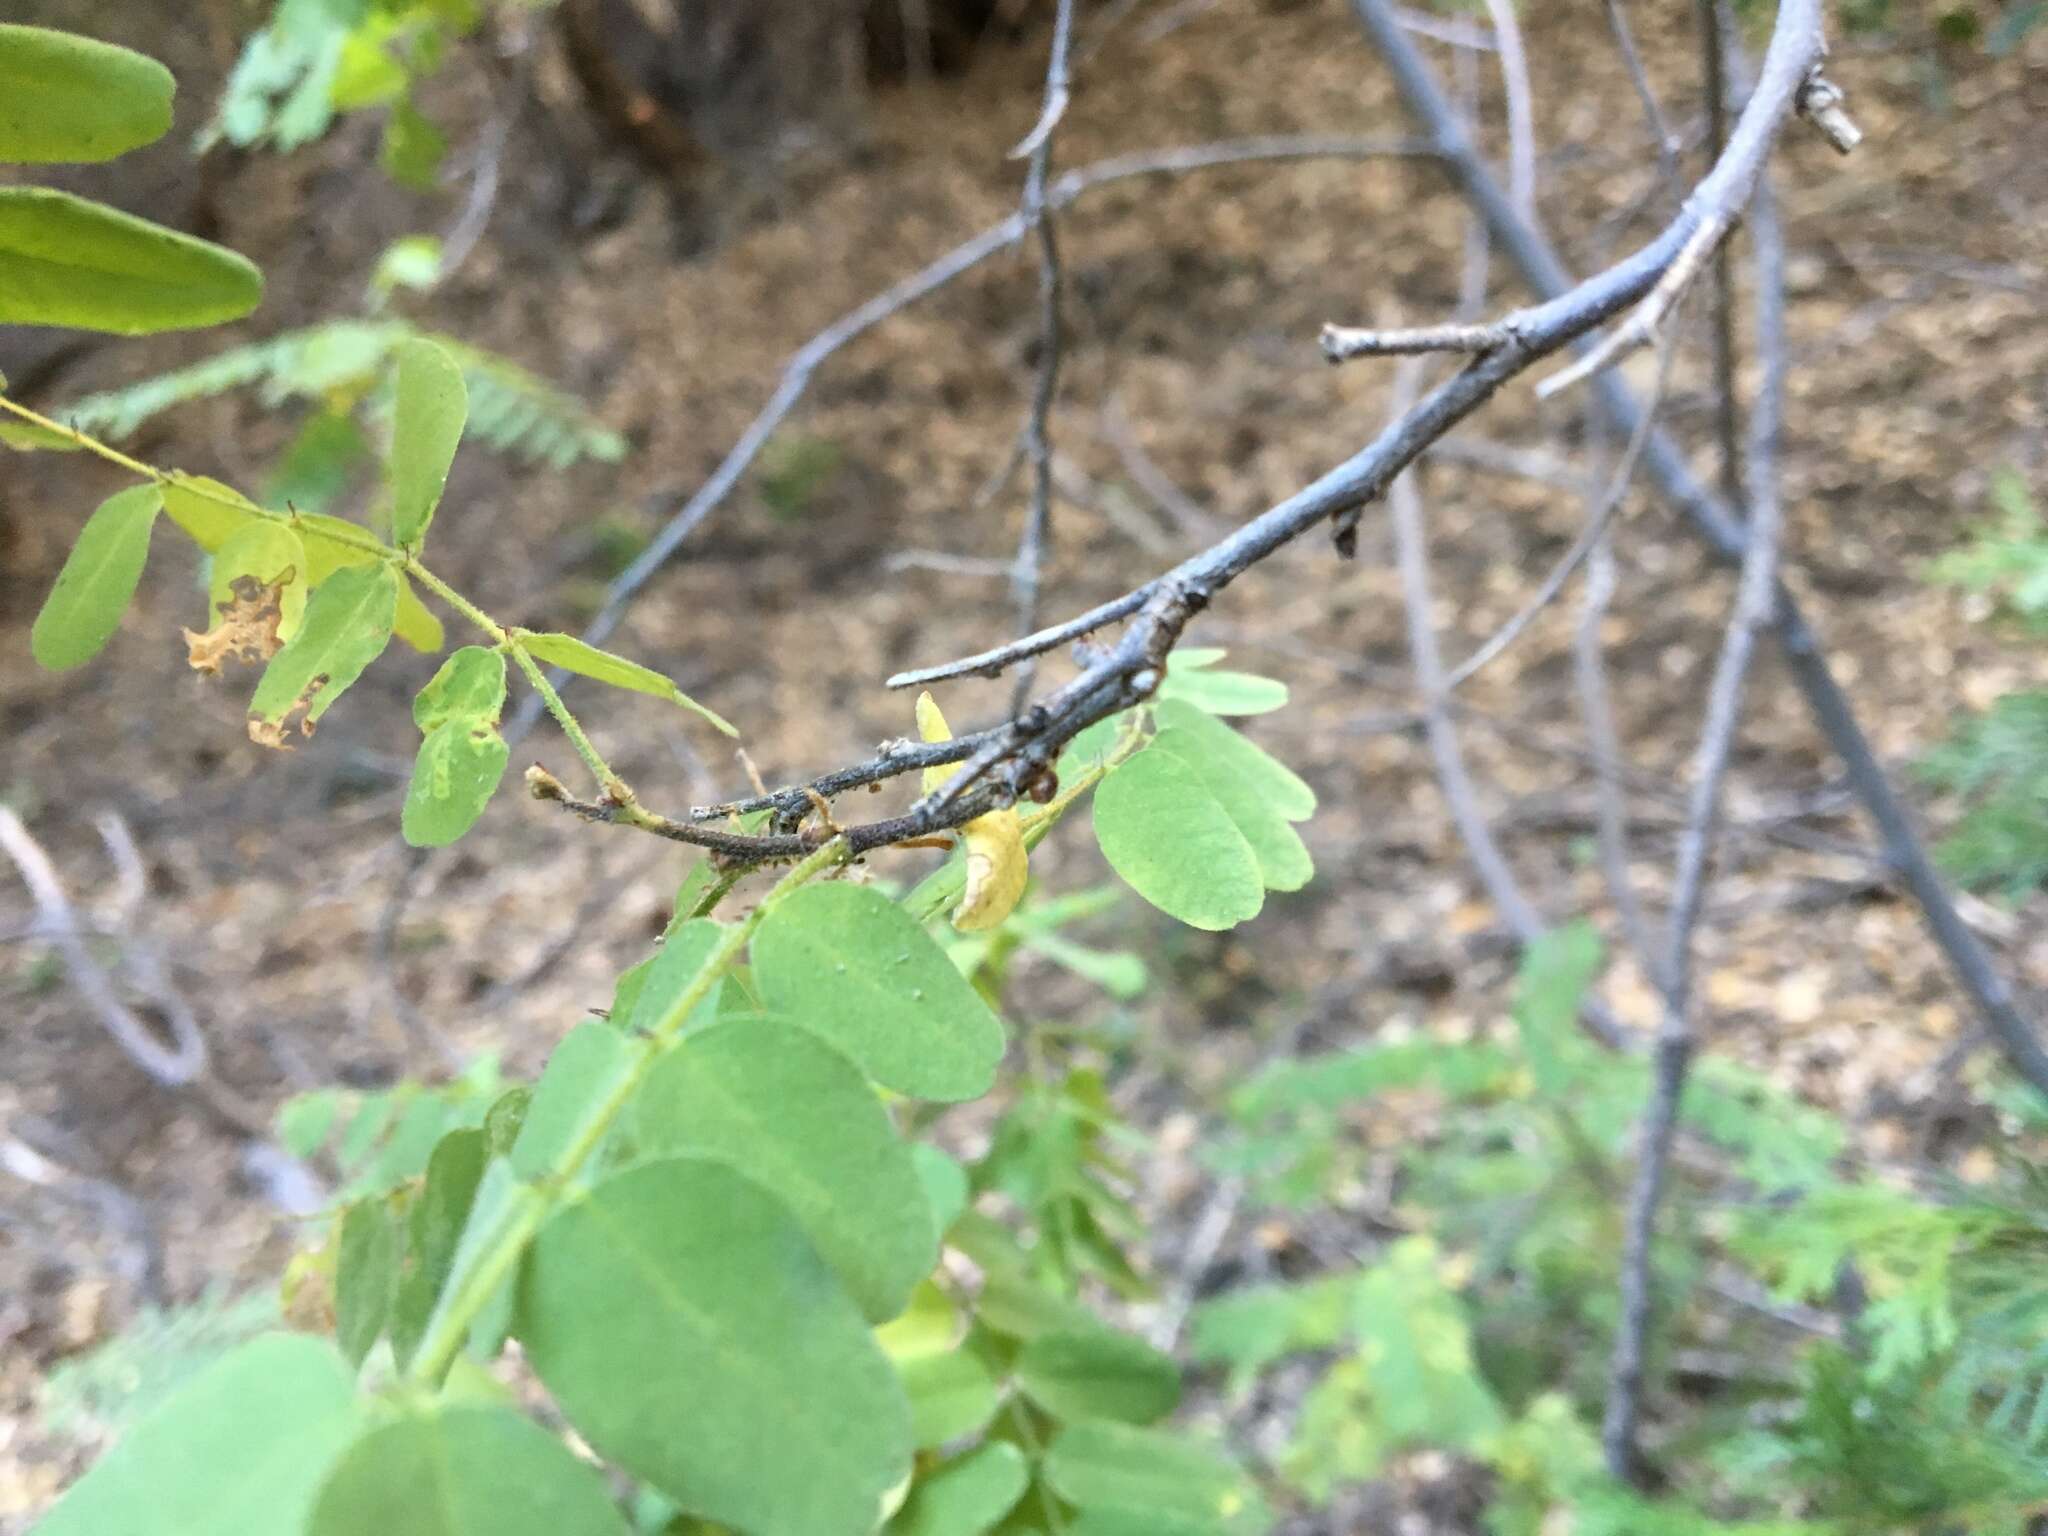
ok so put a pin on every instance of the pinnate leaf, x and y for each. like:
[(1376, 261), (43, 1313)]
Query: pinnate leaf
[(463, 1471), (432, 405), (71, 99), (852, 966), (1173, 842), (93, 589), (240, 1450), (67, 261), (836, 1161), (693, 1336)]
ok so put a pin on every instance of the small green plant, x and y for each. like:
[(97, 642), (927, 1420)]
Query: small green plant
[(738, 1280), (1997, 764), (1479, 1332)]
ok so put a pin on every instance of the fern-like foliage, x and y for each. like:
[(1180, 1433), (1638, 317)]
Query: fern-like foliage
[(345, 364), (121, 1380)]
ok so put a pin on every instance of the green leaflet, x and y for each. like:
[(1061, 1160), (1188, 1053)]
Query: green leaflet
[(470, 685), (347, 626), (432, 405), (93, 590), (212, 513), (1283, 860), (592, 1063), (1098, 1374), (463, 757), (463, 1471), (237, 1451), (801, 1121), (965, 1496), (68, 99), (930, 1324), (1190, 680), (365, 1277), (951, 1395), (502, 1208), (644, 1009), (1146, 1472), (692, 1335), (266, 552), (67, 261), (440, 1211), (945, 1183), (1174, 843), (453, 778), (572, 655), (1280, 785), (852, 966)]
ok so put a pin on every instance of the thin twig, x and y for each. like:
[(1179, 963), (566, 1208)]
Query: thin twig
[(1662, 135), (1030, 562), (178, 1065), (1514, 81), (798, 372), (1495, 873), (1755, 597), (1598, 520), (1666, 467), (1716, 26)]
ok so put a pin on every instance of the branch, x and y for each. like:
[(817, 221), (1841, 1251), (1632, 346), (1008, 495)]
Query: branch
[(855, 323), (1754, 599), (1051, 281), (1665, 464)]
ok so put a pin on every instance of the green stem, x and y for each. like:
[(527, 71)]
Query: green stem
[(479, 1281)]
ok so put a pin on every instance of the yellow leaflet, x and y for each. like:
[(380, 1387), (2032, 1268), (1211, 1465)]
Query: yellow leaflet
[(997, 865)]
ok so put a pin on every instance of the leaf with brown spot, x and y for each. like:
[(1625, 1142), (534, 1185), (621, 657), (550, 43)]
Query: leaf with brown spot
[(248, 625)]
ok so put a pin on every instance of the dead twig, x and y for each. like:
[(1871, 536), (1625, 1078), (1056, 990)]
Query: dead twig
[(1755, 597)]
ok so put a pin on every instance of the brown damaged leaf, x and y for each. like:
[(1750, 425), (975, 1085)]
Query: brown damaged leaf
[(248, 625), (276, 733)]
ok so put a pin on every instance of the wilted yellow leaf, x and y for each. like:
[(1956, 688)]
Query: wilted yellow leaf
[(998, 866)]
